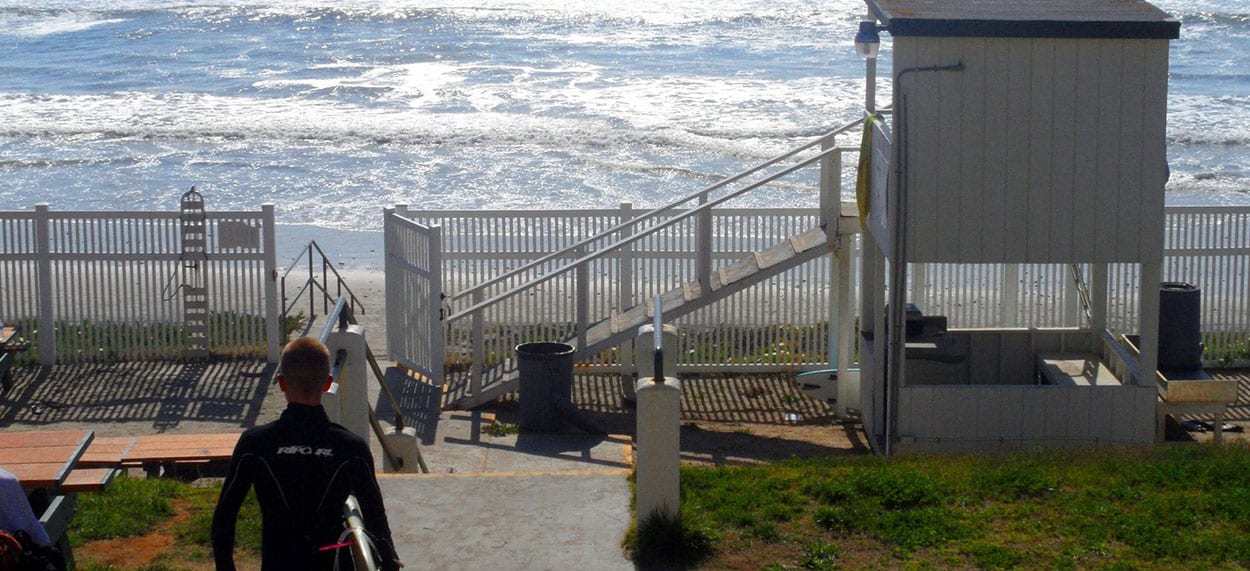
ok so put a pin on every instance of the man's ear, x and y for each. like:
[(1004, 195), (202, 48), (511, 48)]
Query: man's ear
[(329, 381), (282, 383)]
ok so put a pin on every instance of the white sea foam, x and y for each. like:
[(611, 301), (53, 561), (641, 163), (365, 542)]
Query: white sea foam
[(33, 26)]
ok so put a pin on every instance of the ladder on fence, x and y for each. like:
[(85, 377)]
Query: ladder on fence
[(707, 286), (192, 220)]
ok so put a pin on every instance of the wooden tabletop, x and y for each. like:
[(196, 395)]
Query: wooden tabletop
[(181, 448), (42, 460)]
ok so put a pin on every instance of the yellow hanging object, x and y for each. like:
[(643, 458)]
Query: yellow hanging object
[(863, 178)]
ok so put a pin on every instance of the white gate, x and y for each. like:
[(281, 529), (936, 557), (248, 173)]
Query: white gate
[(414, 293)]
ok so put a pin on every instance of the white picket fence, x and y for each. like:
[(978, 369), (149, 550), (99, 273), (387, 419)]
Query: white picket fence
[(106, 286), (782, 323)]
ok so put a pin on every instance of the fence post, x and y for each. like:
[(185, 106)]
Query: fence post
[(478, 347), (438, 340), (1011, 294), (625, 300), (583, 296), (273, 326), (353, 379), (47, 320), (703, 249), (830, 190)]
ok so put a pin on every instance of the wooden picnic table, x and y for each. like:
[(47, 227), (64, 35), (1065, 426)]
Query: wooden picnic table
[(43, 462)]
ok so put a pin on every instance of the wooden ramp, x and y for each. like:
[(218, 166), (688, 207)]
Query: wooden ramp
[(726, 281)]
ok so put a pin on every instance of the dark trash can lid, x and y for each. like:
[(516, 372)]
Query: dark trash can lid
[(1177, 286), (544, 349)]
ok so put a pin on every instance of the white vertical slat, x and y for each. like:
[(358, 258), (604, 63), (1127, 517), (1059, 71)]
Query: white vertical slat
[(921, 135), (1107, 194), (1019, 112), (1086, 225), (1153, 151), (1041, 152), (1131, 192), (1063, 175), (973, 127)]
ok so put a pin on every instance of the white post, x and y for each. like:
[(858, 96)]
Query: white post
[(657, 474), (273, 329), (625, 271), (1011, 294), (703, 249), (582, 274), (477, 346), (47, 320), (403, 444), (1148, 322), (438, 333), (848, 388), (353, 388)]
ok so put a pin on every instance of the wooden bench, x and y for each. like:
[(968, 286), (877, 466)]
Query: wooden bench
[(107, 451), (163, 453), (89, 479)]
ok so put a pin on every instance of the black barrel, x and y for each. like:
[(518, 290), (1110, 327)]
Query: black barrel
[(1180, 326), (546, 370)]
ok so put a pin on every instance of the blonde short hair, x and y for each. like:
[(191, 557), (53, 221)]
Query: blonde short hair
[(305, 365)]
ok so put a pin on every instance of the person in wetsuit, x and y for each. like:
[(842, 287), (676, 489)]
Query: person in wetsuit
[(303, 467)]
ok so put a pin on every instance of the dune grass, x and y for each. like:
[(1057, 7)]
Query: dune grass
[(1162, 508)]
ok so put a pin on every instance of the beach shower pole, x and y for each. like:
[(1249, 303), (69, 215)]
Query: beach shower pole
[(867, 46), (657, 474)]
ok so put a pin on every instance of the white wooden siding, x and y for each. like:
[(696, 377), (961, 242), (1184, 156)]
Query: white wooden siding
[(1041, 150)]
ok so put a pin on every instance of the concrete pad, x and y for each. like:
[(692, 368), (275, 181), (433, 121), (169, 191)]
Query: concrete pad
[(557, 521)]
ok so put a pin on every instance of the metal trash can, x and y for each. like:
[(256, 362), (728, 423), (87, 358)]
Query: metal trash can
[(1180, 326), (546, 370)]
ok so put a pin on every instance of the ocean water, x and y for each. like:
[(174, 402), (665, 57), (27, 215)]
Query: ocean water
[(333, 110)]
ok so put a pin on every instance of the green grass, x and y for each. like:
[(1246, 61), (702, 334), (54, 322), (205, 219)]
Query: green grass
[(137, 506), (1173, 507), (112, 341)]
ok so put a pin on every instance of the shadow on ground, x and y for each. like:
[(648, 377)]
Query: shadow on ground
[(163, 395)]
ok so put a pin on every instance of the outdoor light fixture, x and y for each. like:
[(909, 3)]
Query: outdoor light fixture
[(867, 40)]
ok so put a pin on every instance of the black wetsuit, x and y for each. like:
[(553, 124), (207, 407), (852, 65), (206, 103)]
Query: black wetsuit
[(303, 467)]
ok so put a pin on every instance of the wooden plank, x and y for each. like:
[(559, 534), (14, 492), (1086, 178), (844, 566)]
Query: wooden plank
[(38, 476), (89, 479), (36, 439), (996, 225), (38, 455), (106, 451)]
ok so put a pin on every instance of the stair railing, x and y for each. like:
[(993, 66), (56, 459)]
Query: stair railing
[(583, 253)]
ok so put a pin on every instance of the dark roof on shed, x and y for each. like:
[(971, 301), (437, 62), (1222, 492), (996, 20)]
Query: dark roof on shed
[(1025, 18)]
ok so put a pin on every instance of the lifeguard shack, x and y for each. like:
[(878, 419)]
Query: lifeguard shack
[(1021, 132)]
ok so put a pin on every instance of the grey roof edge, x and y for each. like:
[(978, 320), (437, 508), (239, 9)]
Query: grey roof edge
[(1164, 30), (1165, 27)]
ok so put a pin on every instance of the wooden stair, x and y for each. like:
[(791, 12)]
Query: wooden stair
[(726, 281)]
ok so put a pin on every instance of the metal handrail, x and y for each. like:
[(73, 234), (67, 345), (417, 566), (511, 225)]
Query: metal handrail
[(310, 283), (635, 237), (697, 195), (340, 317)]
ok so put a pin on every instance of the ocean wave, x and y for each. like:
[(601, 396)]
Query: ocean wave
[(507, 12)]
